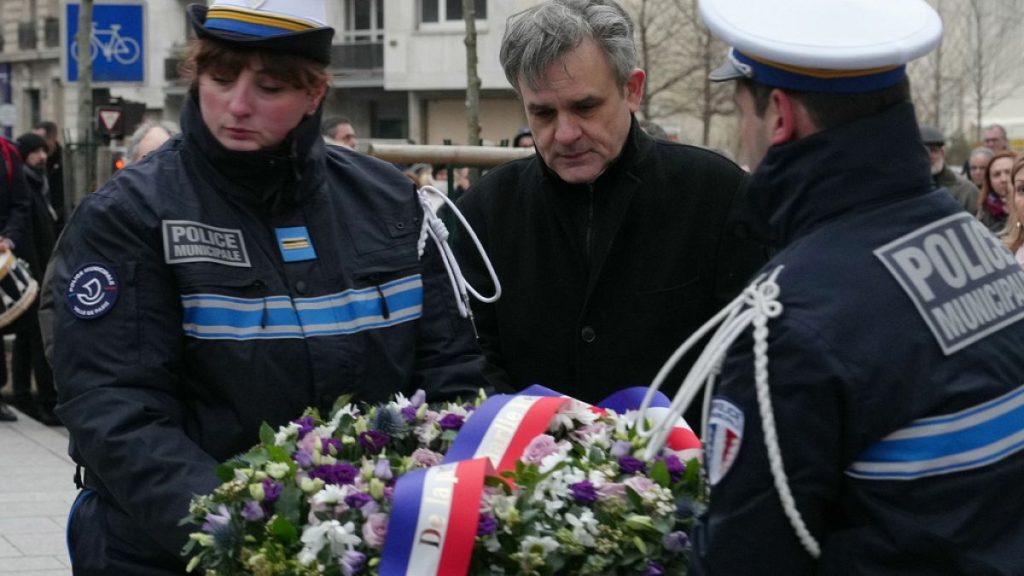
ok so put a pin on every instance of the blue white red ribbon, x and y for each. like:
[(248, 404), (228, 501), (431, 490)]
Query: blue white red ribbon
[(502, 427), (429, 533)]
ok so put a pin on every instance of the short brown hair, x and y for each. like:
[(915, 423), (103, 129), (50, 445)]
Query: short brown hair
[(208, 55), (828, 110)]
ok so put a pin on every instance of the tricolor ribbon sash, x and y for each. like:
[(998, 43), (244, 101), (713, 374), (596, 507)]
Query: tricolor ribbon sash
[(502, 427), (682, 440), (429, 533)]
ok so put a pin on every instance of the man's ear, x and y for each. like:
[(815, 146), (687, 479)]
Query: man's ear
[(635, 89), (783, 117)]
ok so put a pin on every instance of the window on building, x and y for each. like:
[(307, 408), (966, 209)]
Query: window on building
[(437, 11), (364, 21)]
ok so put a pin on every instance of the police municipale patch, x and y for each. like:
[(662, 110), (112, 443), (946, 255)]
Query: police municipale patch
[(725, 434), (92, 291)]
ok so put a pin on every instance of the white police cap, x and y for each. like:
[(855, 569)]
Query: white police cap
[(821, 45)]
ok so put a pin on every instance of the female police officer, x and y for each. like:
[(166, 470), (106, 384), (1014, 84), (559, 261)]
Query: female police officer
[(238, 274)]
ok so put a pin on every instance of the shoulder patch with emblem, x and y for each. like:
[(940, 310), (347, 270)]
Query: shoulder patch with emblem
[(186, 241), (725, 434), (92, 291)]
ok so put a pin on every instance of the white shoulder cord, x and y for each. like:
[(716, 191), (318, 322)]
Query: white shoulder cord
[(435, 228), (756, 305)]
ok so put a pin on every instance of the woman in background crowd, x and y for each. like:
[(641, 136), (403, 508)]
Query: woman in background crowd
[(1013, 234), (992, 209)]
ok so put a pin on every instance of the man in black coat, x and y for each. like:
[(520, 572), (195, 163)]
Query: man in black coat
[(27, 359), (611, 247)]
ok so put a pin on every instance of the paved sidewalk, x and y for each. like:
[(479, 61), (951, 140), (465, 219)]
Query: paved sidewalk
[(36, 492)]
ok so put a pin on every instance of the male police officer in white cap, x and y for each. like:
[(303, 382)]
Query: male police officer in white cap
[(894, 439)]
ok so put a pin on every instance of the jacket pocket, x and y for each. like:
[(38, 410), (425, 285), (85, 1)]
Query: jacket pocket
[(384, 232)]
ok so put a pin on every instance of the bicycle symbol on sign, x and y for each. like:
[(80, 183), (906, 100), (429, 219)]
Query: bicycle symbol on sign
[(121, 48)]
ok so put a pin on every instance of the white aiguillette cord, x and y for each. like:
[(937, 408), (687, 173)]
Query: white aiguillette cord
[(755, 306), (436, 230)]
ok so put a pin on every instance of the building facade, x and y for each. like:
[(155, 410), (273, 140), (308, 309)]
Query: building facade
[(398, 68)]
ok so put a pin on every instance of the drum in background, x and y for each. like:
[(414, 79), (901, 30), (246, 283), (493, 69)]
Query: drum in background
[(17, 288)]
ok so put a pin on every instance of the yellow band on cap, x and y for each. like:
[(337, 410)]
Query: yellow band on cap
[(821, 72), (262, 18)]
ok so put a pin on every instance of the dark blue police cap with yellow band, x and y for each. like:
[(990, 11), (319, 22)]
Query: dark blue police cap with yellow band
[(293, 26), (840, 46)]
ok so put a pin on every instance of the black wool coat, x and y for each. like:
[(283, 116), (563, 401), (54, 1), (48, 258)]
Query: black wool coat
[(601, 282)]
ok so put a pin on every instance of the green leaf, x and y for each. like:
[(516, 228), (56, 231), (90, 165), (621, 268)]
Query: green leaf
[(283, 529), (341, 402), (660, 475), (634, 498), (267, 434), (226, 472), (640, 545), (278, 454), (289, 503)]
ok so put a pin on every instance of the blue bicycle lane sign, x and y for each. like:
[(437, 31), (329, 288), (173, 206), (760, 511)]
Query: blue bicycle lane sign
[(117, 46)]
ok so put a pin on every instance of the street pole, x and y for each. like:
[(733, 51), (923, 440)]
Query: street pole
[(85, 166)]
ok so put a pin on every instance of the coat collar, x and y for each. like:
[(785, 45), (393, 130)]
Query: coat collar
[(800, 184), (272, 179)]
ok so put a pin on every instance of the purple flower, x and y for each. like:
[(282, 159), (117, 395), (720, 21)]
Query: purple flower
[(271, 491), (375, 530), (352, 562), (252, 511), (584, 492), (306, 425), (541, 446), (676, 541), (486, 526), (425, 458), (654, 569), (327, 443), (341, 473), (676, 468), (382, 470), (451, 421), (217, 522), (373, 441), (358, 499), (631, 465), (409, 413), (620, 449), (418, 398), (303, 458)]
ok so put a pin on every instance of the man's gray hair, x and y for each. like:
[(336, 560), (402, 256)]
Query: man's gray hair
[(136, 138), (540, 36)]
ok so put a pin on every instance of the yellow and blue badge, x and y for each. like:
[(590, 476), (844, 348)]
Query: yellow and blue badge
[(295, 244)]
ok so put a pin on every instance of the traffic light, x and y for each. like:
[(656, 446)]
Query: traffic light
[(119, 161)]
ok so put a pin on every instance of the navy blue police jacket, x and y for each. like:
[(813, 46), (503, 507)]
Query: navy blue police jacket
[(189, 310), (895, 372)]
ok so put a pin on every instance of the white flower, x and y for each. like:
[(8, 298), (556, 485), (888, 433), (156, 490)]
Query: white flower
[(584, 527), (535, 545), (400, 401), (572, 412), (332, 494), (277, 470), (286, 433), (340, 536), (550, 461), (427, 433)]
